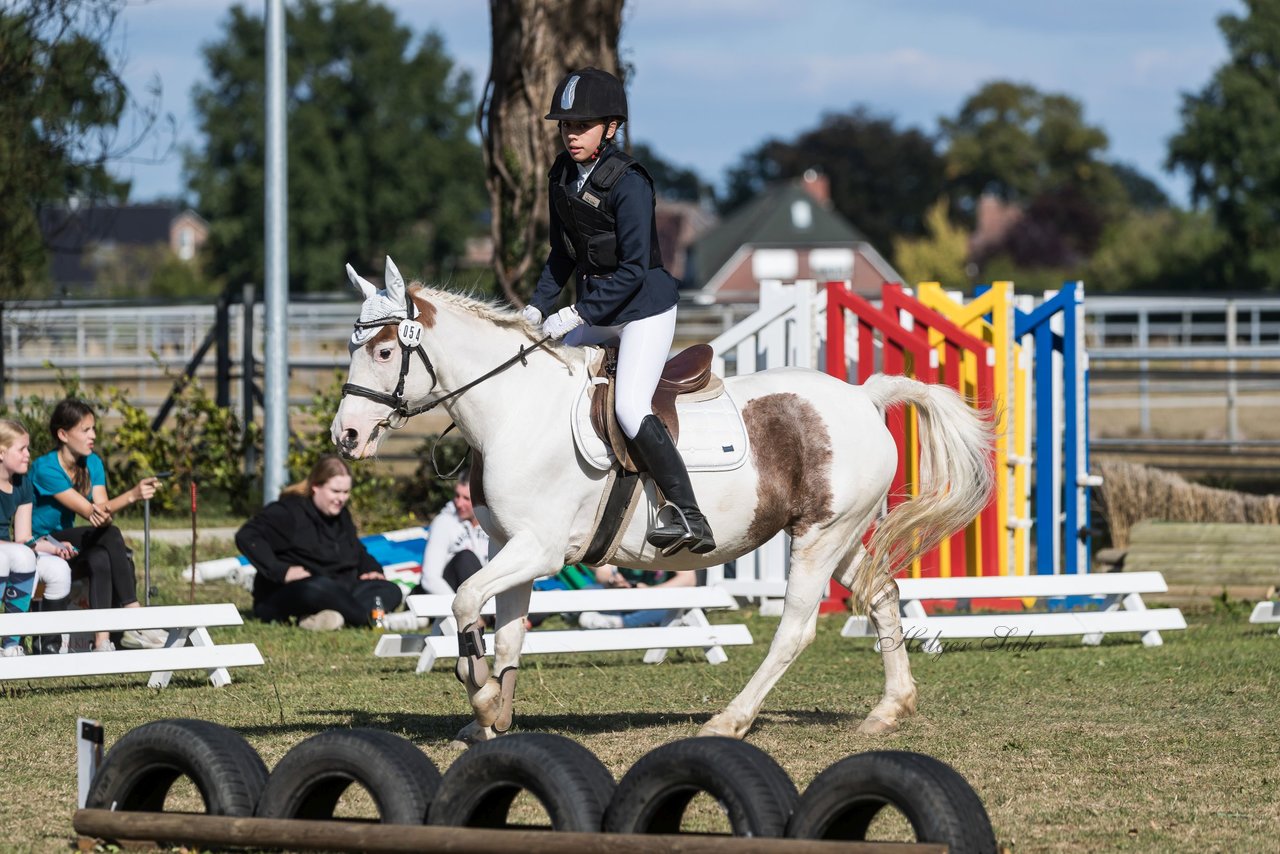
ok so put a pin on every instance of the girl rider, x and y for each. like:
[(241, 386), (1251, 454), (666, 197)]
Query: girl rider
[(603, 236)]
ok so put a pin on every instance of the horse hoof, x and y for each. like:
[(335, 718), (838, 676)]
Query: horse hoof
[(471, 734), (719, 728), (877, 726), (487, 703)]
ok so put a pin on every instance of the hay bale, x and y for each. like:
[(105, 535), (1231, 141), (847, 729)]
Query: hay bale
[(1131, 493)]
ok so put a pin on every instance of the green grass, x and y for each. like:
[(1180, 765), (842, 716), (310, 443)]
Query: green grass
[(1072, 748)]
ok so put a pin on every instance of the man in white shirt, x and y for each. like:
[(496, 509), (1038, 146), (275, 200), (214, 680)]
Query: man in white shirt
[(457, 547)]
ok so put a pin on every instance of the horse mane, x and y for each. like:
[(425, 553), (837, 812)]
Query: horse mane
[(493, 311)]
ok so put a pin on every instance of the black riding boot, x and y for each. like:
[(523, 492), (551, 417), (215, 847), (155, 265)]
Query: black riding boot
[(50, 644), (657, 453)]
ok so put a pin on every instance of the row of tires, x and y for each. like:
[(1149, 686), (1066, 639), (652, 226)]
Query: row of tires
[(574, 787)]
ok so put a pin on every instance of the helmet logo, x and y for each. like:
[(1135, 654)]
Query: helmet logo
[(566, 97)]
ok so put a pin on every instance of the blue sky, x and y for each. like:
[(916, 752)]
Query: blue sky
[(715, 78)]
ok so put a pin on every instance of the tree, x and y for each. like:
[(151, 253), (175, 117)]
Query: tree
[(1034, 150), (1144, 194), (534, 45), (1163, 250), (939, 257), (676, 183), (379, 160), (61, 99), (1227, 146), (882, 179)]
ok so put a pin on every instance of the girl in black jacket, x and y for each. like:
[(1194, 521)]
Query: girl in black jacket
[(604, 239), (310, 561)]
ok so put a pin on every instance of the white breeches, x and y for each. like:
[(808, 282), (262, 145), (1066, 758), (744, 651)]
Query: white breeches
[(54, 573), (643, 348), (50, 570)]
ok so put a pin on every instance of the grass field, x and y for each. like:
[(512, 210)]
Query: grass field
[(1072, 748)]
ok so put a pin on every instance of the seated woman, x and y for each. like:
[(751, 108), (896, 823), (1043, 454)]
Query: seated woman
[(608, 575), (457, 547), (71, 481), (310, 561), (26, 561)]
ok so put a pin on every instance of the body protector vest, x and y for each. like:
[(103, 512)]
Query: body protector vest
[(589, 226)]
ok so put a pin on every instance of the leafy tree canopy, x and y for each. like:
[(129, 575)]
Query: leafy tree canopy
[(677, 183), (1163, 250), (379, 160), (883, 179), (61, 99), (1144, 194), (1228, 146), (1034, 150), (939, 257), (1017, 143)]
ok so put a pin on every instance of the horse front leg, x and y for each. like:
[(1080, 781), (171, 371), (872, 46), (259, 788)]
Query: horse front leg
[(509, 576), (899, 700), (494, 702)]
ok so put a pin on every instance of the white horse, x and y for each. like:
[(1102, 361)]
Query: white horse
[(820, 465)]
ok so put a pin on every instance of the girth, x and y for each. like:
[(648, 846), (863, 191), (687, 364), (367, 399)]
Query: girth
[(688, 372)]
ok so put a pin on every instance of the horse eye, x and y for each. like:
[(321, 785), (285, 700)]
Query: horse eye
[(384, 354)]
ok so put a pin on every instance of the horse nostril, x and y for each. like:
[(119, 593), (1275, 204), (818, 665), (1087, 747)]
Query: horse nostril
[(349, 438)]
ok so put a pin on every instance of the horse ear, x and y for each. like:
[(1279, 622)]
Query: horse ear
[(360, 284), (395, 283)]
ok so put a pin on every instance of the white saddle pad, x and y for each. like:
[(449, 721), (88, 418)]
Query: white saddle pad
[(712, 435)]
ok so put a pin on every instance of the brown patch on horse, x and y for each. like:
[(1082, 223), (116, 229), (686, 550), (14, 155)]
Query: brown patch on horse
[(385, 334), (426, 310), (791, 449)]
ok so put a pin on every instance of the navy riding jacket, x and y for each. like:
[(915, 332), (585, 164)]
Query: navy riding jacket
[(634, 290)]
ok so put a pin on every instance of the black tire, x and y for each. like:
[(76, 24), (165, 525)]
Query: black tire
[(311, 778), (571, 783), (142, 766), (939, 803), (755, 793)]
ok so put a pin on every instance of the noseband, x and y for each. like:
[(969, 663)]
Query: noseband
[(409, 335)]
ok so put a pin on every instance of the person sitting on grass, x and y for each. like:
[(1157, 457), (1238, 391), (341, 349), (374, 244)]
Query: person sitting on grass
[(71, 481), (457, 547), (26, 561), (608, 575), (311, 563)]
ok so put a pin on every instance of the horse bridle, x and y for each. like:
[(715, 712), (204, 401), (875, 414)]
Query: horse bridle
[(409, 335)]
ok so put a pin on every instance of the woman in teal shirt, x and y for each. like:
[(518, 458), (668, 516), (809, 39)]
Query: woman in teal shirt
[(71, 481)]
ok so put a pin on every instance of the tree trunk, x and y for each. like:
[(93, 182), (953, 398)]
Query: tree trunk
[(534, 44)]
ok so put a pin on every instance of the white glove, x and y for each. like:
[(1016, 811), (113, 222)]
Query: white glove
[(562, 322), (531, 315)]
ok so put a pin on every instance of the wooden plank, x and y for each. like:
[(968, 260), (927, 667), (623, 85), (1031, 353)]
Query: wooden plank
[(120, 619), (305, 835), (573, 601), (1021, 626), (130, 661), (1001, 587), (611, 640), (1150, 532)]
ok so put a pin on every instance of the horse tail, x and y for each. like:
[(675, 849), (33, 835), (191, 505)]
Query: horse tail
[(956, 478)]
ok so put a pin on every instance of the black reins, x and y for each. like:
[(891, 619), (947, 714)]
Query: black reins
[(409, 335)]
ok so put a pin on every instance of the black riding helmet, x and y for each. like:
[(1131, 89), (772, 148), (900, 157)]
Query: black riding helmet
[(589, 93)]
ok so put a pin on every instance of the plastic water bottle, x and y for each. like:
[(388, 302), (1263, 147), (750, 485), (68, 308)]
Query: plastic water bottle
[(379, 614)]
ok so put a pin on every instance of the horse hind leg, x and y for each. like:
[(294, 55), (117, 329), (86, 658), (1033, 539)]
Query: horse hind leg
[(811, 568), (899, 700)]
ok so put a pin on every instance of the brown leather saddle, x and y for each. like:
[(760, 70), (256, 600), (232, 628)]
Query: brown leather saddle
[(688, 373)]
